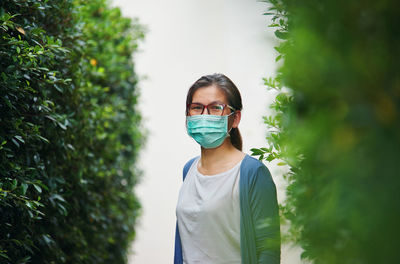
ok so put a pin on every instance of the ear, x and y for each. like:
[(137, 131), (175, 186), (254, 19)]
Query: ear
[(236, 118)]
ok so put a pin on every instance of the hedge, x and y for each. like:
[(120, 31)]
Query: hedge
[(70, 132), (336, 124)]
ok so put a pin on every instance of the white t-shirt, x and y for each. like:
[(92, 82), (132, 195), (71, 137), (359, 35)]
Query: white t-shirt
[(208, 214)]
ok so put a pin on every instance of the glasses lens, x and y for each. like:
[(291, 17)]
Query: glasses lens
[(195, 109), (215, 109)]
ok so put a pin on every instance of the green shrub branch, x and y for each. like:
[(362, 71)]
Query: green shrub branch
[(70, 132), (336, 125)]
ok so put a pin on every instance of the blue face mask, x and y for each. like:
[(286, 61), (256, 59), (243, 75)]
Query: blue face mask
[(208, 130)]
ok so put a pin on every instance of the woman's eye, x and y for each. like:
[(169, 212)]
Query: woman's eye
[(217, 107)]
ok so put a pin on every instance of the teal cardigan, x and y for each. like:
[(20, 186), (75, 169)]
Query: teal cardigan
[(259, 215)]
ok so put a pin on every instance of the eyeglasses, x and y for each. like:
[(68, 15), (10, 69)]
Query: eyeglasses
[(212, 109)]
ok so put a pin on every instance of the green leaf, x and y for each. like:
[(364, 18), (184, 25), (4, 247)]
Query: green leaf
[(38, 188), (24, 187), (281, 34), (57, 197), (270, 157), (266, 149), (62, 126), (29, 204), (3, 255), (256, 151), (43, 139), (24, 260), (20, 139), (2, 144), (14, 184), (15, 142)]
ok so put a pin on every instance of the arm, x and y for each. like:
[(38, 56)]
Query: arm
[(265, 217)]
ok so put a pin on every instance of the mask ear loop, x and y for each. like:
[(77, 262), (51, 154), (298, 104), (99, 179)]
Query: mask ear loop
[(229, 132)]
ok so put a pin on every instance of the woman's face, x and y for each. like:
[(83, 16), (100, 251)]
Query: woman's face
[(208, 95)]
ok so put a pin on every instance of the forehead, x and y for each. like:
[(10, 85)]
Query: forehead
[(209, 94)]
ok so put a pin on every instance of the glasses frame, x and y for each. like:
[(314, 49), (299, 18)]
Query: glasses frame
[(208, 110)]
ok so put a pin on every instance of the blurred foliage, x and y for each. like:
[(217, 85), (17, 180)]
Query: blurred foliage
[(337, 126), (70, 132)]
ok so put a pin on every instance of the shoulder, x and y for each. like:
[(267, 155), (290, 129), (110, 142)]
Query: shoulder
[(190, 162), (188, 165), (252, 165), (251, 169)]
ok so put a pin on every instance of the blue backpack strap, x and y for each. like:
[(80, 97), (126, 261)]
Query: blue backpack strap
[(178, 245)]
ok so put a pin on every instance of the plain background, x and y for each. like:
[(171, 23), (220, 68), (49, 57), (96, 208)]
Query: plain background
[(186, 39)]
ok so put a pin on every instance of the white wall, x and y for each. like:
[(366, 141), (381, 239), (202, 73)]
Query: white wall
[(185, 40)]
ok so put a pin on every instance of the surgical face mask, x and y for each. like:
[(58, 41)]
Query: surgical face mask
[(209, 131)]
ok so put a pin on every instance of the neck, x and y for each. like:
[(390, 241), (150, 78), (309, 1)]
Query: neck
[(210, 157)]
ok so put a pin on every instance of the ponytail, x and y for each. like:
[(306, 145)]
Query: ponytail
[(236, 138)]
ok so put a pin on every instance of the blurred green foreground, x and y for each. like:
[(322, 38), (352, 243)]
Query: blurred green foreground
[(337, 126)]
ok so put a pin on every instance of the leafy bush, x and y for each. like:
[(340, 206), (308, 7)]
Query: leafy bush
[(337, 127), (69, 134)]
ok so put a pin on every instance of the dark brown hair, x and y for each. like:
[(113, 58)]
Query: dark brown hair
[(232, 95)]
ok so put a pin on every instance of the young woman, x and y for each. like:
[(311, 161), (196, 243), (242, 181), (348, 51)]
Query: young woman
[(227, 210)]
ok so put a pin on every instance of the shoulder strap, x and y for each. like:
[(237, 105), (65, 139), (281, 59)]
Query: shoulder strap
[(187, 167)]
